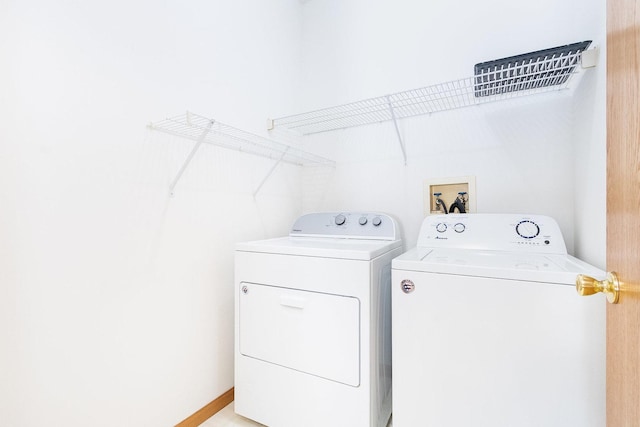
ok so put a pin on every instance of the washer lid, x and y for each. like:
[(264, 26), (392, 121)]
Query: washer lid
[(327, 247), (532, 267)]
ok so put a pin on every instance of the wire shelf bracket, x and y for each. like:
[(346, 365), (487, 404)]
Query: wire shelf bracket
[(531, 74), (192, 153), (395, 124), (266, 177), (204, 130)]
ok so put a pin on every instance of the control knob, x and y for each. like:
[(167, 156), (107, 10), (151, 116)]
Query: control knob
[(527, 229), (340, 219), (459, 227), (376, 221), (441, 227), (362, 220)]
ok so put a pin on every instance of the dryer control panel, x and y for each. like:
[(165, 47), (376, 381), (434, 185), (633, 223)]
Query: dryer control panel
[(502, 232), (354, 225)]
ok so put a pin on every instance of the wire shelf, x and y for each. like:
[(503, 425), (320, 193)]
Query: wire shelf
[(202, 129), (522, 78)]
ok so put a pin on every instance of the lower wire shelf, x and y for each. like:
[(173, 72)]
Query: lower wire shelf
[(194, 127), (205, 130)]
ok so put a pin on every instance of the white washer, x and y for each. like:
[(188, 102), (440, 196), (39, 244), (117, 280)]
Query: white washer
[(488, 330), (313, 323)]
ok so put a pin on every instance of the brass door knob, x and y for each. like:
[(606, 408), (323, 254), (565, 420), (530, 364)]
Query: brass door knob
[(610, 286)]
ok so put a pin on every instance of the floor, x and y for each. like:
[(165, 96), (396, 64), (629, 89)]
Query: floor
[(227, 418)]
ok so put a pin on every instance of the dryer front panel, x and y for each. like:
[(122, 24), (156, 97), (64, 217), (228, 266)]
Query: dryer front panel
[(311, 332)]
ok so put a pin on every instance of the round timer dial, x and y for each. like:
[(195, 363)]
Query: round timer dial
[(527, 229)]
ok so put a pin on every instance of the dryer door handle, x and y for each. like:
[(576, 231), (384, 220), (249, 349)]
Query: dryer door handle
[(293, 302)]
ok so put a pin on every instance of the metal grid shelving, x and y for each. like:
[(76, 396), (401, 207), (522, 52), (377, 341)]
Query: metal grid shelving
[(205, 130), (194, 127), (496, 84)]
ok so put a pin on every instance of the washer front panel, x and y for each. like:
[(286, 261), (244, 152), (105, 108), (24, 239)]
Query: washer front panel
[(487, 352)]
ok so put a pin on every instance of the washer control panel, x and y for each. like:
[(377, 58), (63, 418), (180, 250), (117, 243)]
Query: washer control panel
[(355, 225), (509, 232)]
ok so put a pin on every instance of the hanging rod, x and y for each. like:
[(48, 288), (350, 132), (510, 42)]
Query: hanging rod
[(205, 130), (545, 74)]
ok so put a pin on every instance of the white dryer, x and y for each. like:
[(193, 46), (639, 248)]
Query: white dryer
[(313, 323), (488, 330)]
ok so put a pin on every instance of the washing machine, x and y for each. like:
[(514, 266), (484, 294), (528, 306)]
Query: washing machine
[(488, 330), (313, 322)]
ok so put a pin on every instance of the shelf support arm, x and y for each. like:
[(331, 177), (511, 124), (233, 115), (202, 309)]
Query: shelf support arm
[(395, 124), (199, 142), (273, 168)]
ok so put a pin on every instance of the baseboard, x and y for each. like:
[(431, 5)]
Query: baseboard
[(207, 411)]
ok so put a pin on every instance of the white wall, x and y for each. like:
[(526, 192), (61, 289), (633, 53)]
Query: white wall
[(522, 152), (590, 159), (116, 302)]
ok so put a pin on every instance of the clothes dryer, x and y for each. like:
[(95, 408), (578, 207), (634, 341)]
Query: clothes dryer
[(313, 323), (488, 330)]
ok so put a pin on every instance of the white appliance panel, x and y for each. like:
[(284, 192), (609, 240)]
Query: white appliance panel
[(334, 276), (315, 350), (348, 225), (311, 332), (278, 397), (486, 352), (364, 250), (488, 330), (547, 268), (498, 232)]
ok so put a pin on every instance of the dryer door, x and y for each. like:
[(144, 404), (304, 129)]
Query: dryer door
[(311, 332)]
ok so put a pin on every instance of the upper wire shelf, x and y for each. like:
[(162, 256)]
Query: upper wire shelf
[(550, 72), (202, 129)]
